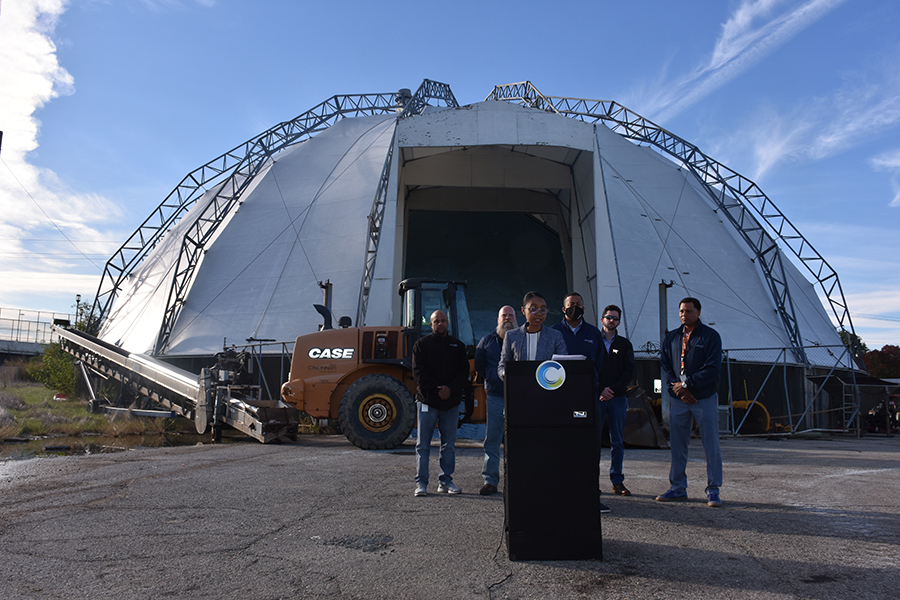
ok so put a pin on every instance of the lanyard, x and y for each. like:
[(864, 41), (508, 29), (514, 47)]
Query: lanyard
[(684, 343)]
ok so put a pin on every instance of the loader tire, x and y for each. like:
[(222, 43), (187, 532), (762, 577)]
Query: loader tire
[(377, 412)]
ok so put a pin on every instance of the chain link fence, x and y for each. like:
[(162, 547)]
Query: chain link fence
[(767, 391)]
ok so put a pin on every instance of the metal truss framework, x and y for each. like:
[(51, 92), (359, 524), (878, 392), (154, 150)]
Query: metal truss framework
[(231, 172), (733, 193), (376, 218), (429, 90)]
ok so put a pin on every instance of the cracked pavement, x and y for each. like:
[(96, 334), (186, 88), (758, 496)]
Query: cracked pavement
[(320, 518)]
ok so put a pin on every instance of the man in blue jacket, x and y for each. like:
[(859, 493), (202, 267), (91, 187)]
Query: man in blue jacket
[(691, 361), (487, 358), (583, 338)]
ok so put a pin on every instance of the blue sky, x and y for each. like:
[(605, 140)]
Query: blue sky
[(106, 104)]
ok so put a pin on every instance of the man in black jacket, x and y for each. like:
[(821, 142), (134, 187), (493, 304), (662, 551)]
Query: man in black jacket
[(615, 362), (441, 370)]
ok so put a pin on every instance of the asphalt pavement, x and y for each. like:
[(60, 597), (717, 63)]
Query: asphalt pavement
[(320, 518)]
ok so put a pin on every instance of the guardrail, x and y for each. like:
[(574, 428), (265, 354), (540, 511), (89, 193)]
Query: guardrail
[(29, 326)]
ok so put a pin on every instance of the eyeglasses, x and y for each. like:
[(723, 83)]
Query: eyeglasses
[(611, 318), (537, 311)]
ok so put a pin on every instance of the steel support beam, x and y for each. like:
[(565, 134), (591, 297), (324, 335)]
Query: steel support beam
[(733, 193), (227, 170)]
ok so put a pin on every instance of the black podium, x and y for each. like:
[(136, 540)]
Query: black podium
[(551, 486)]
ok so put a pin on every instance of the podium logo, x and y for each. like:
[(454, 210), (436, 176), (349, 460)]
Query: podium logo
[(550, 375)]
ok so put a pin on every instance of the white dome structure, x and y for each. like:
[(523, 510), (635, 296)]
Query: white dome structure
[(518, 192)]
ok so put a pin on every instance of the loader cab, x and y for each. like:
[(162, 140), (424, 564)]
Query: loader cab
[(421, 297)]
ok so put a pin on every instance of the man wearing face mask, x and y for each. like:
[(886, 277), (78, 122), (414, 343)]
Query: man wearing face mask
[(581, 338)]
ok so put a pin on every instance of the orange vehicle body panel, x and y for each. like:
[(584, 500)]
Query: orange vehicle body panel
[(324, 364)]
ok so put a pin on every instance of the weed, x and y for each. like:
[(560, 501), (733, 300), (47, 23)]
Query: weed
[(317, 426), (33, 426), (31, 412), (9, 429), (11, 400), (83, 425), (54, 368), (125, 424)]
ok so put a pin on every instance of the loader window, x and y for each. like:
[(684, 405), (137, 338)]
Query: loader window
[(422, 298), (409, 311), (465, 334), (435, 299)]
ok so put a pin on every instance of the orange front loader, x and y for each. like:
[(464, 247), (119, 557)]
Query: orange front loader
[(362, 376)]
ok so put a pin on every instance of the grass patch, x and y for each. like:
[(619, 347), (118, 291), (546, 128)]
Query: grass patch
[(28, 409), (8, 430)]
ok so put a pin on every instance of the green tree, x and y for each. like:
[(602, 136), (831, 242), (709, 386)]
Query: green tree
[(853, 341), (54, 368)]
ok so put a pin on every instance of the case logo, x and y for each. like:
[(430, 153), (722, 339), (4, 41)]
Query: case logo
[(550, 375), (330, 353)]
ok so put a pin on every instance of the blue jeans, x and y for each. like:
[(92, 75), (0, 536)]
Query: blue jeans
[(613, 412), (492, 438), (681, 416), (447, 422)]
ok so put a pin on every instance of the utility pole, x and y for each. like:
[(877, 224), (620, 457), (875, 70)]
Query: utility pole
[(663, 330)]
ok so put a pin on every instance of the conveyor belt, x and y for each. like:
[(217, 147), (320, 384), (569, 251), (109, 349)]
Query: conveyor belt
[(197, 397)]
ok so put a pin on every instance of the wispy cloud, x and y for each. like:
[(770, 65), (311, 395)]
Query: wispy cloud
[(889, 161), (35, 204), (53, 240), (866, 105), (754, 30), (878, 302), (158, 5), (875, 315), (872, 273)]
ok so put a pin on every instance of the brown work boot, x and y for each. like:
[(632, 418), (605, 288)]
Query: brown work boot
[(487, 489), (621, 490)]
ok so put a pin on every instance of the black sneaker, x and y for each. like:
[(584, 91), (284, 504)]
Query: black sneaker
[(603, 508), (671, 496)]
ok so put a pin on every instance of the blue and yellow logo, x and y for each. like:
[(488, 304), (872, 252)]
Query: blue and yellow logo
[(550, 375)]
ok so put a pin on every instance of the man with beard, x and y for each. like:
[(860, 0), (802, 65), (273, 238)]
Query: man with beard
[(441, 370), (615, 372), (487, 358)]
